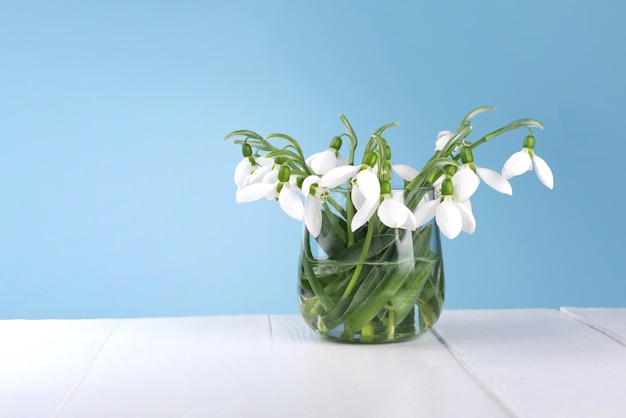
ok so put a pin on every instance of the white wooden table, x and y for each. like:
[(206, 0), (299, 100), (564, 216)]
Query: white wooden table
[(489, 363)]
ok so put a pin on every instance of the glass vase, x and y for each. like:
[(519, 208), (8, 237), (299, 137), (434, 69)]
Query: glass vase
[(373, 285)]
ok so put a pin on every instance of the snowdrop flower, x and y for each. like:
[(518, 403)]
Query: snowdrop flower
[(277, 184), (466, 180), (452, 216), (524, 160), (322, 162), (249, 165), (389, 207), (316, 192)]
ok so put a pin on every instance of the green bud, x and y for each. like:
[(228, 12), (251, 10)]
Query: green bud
[(283, 173), (449, 169), (370, 159), (279, 160), (336, 143), (246, 149), (466, 155), (529, 142), (446, 187)]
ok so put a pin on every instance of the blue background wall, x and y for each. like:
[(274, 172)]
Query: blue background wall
[(116, 191)]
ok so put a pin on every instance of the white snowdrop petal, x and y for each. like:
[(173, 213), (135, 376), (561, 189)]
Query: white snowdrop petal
[(369, 185), (357, 198), (542, 169), (264, 161), (364, 214), (290, 203), (324, 161), (257, 175), (254, 192), (391, 213), (312, 216), (425, 212), (449, 219), (465, 183), (338, 175), (242, 171), (410, 222), (405, 172), (495, 180), (311, 158), (341, 161), (467, 217), (517, 164)]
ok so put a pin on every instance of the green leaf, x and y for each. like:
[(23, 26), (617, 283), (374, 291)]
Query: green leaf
[(403, 301), (528, 123), (352, 254), (392, 281), (243, 132), (309, 275), (351, 135), (475, 112), (332, 237), (383, 128)]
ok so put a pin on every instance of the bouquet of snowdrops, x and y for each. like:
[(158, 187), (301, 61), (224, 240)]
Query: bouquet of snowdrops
[(371, 267)]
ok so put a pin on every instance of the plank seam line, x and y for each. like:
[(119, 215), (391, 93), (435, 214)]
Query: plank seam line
[(473, 376), (269, 320), (593, 326), (84, 374)]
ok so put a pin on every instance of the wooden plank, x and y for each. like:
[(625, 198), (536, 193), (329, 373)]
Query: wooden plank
[(609, 321), (178, 367), (42, 361), (315, 377), (538, 362), (240, 366)]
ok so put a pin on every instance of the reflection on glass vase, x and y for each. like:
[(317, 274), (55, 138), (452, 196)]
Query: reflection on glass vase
[(373, 285)]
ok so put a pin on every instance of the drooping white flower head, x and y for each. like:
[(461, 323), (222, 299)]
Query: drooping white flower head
[(394, 213), (277, 184), (451, 216), (316, 192), (264, 184), (466, 181), (315, 195), (524, 160), (289, 200), (324, 161), (248, 166), (467, 178), (389, 207)]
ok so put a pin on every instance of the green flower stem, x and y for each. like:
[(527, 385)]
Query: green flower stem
[(367, 333), (317, 287), (359, 267), (349, 216), (391, 325), (520, 123)]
